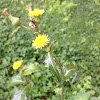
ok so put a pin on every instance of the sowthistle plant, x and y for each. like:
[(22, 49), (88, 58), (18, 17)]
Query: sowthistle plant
[(60, 72)]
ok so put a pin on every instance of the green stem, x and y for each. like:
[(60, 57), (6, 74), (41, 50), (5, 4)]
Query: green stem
[(54, 66), (60, 65), (51, 67), (28, 88), (62, 73), (55, 62), (62, 93), (26, 27)]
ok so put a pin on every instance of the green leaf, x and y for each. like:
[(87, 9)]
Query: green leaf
[(97, 2), (17, 80), (69, 71), (32, 68), (54, 68), (82, 96), (70, 66), (69, 74), (20, 94), (95, 98)]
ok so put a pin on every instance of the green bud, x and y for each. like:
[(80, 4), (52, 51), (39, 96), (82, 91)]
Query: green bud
[(37, 19), (14, 20)]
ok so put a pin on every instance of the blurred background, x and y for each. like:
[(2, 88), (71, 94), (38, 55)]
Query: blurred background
[(74, 24)]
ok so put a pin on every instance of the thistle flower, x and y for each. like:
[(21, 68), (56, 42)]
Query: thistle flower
[(17, 64), (36, 13), (40, 41), (14, 20)]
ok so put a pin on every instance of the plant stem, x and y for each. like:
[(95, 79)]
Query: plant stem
[(55, 66), (26, 27), (23, 89), (28, 89), (28, 94), (62, 93), (62, 73)]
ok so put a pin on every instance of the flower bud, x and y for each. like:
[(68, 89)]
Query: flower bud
[(37, 19), (14, 20), (30, 24), (29, 8), (6, 13)]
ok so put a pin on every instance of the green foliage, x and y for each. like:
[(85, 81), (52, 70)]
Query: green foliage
[(82, 96), (20, 95), (95, 98), (85, 96), (31, 68), (74, 25), (83, 85), (17, 80)]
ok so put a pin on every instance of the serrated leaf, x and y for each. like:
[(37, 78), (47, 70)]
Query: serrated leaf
[(20, 94), (53, 68), (82, 96), (69, 71), (95, 98), (29, 69), (17, 80), (74, 78), (70, 66), (69, 74)]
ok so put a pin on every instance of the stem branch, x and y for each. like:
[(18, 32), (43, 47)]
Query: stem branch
[(26, 27)]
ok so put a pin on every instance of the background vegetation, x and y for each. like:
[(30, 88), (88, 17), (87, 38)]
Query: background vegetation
[(74, 24)]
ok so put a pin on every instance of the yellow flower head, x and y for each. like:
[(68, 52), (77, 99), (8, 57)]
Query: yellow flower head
[(40, 41), (17, 64), (36, 13)]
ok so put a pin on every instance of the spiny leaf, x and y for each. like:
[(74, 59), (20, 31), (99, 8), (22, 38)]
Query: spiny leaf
[(20, 94), (16, 80), (29, 69)]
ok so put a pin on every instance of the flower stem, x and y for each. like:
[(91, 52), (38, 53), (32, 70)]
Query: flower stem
[(62, 93), (54, 66), (62, 73), (28, 88), (26, 27), (28, 94), (23, 89)]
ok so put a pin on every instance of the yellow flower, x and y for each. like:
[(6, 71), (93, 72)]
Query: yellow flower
[(36, 13), (40, 41), (17, 64)]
